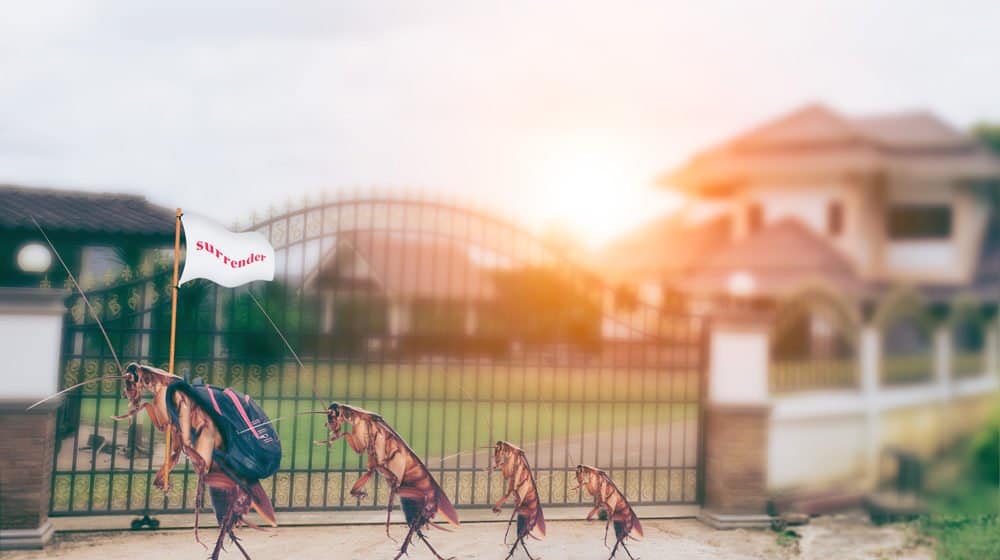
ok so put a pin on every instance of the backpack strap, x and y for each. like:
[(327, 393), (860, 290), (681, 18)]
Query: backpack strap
[(243, 413)]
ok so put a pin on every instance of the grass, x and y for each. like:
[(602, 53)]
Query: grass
[(963, 537), (787, 538), (441, 410), (965, 504)]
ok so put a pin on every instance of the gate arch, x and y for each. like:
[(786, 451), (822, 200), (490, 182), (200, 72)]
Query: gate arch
[(460, 328)]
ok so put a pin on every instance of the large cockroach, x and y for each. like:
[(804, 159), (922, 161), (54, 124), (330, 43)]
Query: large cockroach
[(188, 428), (520, 482), (419, 494), (608, 497)]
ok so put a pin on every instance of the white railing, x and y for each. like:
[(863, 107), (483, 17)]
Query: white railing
[(827, 438)]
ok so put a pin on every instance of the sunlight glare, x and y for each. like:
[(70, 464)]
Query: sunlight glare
[(596, 192)]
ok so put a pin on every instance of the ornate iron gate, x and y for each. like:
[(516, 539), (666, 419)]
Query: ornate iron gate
[(459, 328)]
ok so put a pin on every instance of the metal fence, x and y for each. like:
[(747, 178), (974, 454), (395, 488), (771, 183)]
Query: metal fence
[(457, 327), (814, 346)]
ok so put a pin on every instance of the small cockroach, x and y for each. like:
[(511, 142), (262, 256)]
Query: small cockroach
[(510, 460), (388, 454), (609, 498)]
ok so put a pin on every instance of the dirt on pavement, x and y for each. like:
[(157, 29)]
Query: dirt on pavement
[(842, 537)]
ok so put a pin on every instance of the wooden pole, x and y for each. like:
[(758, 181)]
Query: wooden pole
[(173, 303)]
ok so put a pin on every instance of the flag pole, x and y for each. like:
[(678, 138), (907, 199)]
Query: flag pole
[(173, 303)]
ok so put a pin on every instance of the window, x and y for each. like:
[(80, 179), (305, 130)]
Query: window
[(835, 218), (919, 222), (755, 217)]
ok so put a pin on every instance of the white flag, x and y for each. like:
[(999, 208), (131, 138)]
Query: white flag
[(226, 258)]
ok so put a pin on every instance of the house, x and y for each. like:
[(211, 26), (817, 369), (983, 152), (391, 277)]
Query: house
[(382, 290), (861, 254), (656, 255), (97, 234), (904, 198)]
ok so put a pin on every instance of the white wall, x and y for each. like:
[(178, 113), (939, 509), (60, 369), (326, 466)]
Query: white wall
[(825, 439), (29, 352), (738, 362)]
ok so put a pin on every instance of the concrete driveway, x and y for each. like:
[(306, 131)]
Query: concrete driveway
[(834, 537)]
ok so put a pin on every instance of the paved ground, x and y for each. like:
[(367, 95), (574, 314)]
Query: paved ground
[(842, 537)]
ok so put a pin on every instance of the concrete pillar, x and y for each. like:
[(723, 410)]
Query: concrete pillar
[(942, 358), (870, 356), (737, 421), (30, 343)]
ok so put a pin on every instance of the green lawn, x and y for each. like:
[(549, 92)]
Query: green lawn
[(441, 410), (964, 498)]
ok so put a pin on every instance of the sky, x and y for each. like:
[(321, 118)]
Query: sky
[(557, 114)]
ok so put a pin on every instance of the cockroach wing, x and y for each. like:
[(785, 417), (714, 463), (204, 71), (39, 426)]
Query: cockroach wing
[(636, 525), (445, 507), (540, 522), (262, 503)]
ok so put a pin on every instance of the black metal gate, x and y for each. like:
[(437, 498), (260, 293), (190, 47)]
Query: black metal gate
[(459, 328)]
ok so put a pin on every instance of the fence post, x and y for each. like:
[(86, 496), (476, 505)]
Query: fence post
[(870, 356), (737, 420), (943, 373), (30, 337), (993, 348)]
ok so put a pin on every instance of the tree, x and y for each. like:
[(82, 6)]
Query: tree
[(989, 134), (249, 334), (540, 305)]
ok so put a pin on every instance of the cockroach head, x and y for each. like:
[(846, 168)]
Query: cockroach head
[(132, 373), (132, 386), (502, 451), (498, 454), (336, 416)]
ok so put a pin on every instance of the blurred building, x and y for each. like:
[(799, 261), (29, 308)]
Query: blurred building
[(868, 249), (97, 234), (816, 196), (391, 291)]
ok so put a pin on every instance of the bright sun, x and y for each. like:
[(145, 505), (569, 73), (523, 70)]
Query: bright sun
[(596, 191)]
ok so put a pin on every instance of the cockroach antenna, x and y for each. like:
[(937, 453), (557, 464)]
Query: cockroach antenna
[(93, 314), (86, 301), (68, 389), (276, 420), (275, 326), (283, 339), (489, 428)]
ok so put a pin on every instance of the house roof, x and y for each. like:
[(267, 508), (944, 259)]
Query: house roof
[(816, 140), (403, 267), (82, 212), (780, 258), (664, 247)]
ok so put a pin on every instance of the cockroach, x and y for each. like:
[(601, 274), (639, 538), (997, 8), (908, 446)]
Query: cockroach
[(609, 498), (181, 412), (513, 465), (419, 494), (189, 428)]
